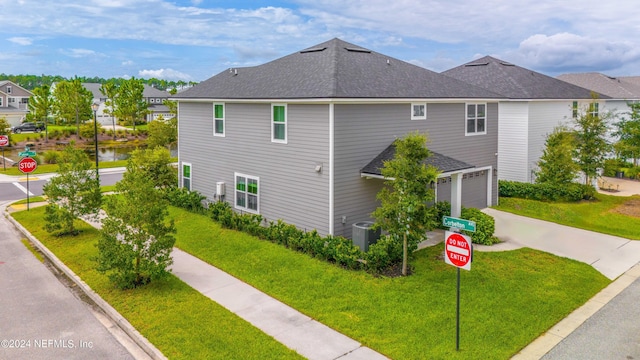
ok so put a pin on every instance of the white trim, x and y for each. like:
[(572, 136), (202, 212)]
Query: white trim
[(190, 175), (246, 192), (343, 100), (466, 113), (419, 117), (286, 124), (224, 120), (331, 167)]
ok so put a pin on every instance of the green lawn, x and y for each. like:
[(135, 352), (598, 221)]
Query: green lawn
[(599, 215), (178, 320), (508, 298)]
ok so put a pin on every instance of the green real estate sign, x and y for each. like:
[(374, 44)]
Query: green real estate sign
[(461, 224)]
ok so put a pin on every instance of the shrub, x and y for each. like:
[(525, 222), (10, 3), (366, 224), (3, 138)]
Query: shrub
[(51, 157), (485, 226), (183, 198), (545, 192), (383, 254)]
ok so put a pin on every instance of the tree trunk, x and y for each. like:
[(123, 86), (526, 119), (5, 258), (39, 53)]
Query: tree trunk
[(404, 255)]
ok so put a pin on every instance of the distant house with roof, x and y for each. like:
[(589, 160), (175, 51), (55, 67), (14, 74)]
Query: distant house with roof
[(303, 138), (152, 96), (14, 100), (533, 105)]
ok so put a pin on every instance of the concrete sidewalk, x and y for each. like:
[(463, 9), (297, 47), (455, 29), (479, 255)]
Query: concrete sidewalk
[(295, 330)]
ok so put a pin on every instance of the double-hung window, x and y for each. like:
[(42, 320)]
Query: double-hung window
[(9, 90), (476, 122), (218, 119), (418, 111), (593, 109), (279, 123), (186, 176), (574, 110), (247, 193)]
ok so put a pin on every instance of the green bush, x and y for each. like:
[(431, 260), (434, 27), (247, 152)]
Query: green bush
[(183, 198), (51, 157), (485, 226), (545, 192), (383, 254)]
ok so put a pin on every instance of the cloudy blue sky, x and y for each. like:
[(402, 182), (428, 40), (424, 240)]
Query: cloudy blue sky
[(192, 40)]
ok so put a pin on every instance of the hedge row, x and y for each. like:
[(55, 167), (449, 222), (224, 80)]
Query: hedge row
[(485, 224), (546, 192)]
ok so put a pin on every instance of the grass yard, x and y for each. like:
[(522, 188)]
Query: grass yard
[(613, 215), (507, 299), (51, 168), (178, 320)]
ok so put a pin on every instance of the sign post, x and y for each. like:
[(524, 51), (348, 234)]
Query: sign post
[(27, 165), (4, 141), (458, 252)]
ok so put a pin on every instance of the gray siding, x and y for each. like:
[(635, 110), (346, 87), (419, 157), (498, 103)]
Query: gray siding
[(363, 131), (289, 187)]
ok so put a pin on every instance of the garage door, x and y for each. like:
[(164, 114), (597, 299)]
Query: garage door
[(474, 189)]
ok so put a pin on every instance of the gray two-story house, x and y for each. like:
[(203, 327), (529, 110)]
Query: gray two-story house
[(302, 138)]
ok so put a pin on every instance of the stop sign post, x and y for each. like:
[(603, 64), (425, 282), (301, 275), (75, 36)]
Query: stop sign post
[(4, 141), (27, 165)]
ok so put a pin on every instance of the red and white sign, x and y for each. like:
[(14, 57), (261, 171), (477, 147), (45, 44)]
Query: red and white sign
[(4, 140), (457, 249), (27, 165)]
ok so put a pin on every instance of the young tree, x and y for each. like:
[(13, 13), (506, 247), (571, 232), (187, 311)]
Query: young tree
[(136, 240), (162, 132), (154, 164), (556, 165), (110, 91), (591, 127), (129, 102), (40, 105), (72, 193), (404, 211), (628, 132), (73, 101)]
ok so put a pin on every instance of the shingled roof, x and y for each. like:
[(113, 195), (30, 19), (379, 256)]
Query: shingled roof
[(333, 69), (515, 82), (616, 88), (443, 163)]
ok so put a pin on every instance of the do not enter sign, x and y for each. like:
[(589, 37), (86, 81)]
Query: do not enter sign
[(27, 165), (458, 250), (4, 140)]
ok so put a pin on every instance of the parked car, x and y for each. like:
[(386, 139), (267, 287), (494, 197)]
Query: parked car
[(29, 126)]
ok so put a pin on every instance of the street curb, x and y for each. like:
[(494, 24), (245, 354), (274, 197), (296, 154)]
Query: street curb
[(114, 315), (552, 337)]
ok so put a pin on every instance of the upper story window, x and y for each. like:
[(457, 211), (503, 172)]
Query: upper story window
[(476, 119), (418, 111), (247, 193), (279, 123), (9, 89), (218, 119), (574, 109)]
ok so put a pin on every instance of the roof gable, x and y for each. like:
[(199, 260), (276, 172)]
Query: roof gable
[(333, 69), (443, 163), (515, 82)]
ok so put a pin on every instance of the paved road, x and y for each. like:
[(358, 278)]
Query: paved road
[(15, 188), (612, 333), (40, 318)]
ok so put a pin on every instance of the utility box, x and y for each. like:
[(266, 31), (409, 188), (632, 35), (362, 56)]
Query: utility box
[(362, 235), (220, 188)]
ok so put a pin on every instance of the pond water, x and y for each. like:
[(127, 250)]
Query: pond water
[(105, 154)]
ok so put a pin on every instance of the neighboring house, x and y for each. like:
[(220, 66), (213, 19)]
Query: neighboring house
[(151, 95), (302, 138), (14, 101), (535, 104)]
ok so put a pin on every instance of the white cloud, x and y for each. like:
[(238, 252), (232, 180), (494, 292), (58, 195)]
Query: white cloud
[(80, 53), (127, 63), (21, 40), (566, 51), (168, 74)]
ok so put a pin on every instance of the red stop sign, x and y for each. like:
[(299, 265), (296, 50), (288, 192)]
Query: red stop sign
[(458, 250), (27, 165)]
